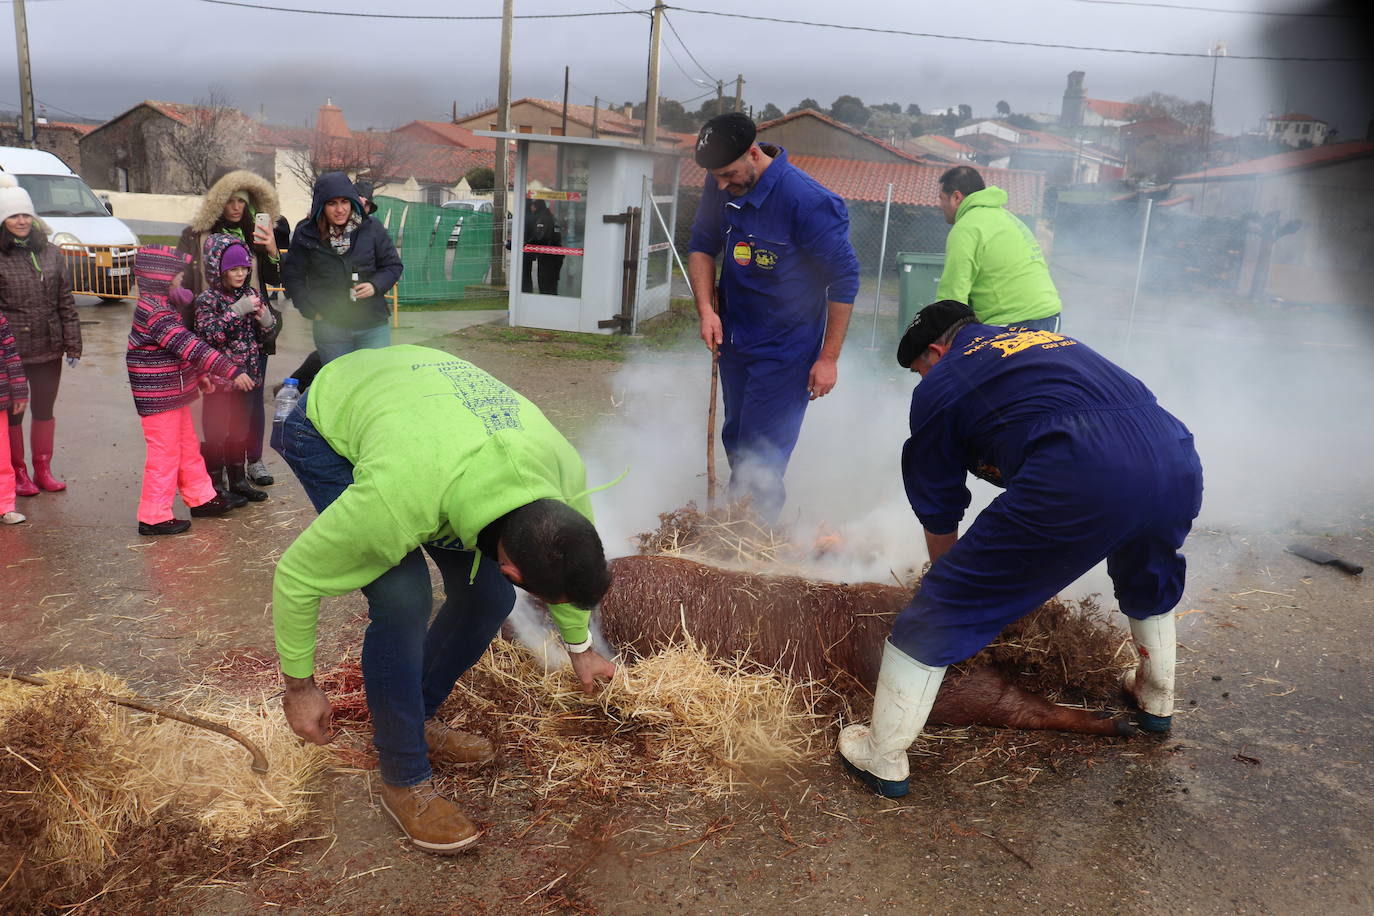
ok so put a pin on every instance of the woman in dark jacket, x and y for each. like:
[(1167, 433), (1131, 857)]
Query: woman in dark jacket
[(36, 298), (341, 264), (231, 207)]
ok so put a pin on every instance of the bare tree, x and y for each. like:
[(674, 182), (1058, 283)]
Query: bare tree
[(213, 135), (380, 156)]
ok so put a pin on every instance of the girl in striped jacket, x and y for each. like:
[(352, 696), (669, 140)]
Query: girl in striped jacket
[(167, 364)]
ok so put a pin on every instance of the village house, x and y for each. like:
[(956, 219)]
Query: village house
[(1296, 130)]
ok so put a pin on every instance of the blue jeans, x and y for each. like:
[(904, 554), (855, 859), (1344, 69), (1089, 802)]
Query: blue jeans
[(1039, 324), (410, 663), (332, 341)]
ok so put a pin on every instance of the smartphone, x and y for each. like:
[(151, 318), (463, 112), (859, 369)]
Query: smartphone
[(263, 221)]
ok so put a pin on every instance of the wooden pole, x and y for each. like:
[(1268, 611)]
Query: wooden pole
[(711, 418), (651, 96), (500, 204)]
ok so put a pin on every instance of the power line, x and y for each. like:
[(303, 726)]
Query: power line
[(1213, 9), (412, 16), (1006, 41), (672, 28)]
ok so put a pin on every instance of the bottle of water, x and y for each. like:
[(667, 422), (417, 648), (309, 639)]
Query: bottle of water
[(352, 282), (286, 400)]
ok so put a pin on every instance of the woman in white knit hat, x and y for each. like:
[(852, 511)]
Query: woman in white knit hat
[(36, 298)]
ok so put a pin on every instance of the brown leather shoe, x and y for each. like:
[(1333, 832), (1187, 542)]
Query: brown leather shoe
[(428, 819), (448, 745)]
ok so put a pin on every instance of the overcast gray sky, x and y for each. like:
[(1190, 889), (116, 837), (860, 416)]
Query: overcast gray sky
[(97, 58)]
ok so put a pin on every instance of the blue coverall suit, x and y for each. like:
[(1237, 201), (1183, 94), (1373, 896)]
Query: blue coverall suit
[(787, 253), (1093, 468)]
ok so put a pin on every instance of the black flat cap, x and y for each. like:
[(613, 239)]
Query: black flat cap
[(926, 328), (723, 139)]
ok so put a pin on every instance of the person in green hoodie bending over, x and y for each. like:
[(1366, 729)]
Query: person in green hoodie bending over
[(407, 451), (993, 264)]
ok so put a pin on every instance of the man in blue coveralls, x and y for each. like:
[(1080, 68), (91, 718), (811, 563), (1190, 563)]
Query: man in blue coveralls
[(1093, 468), (787, 287)]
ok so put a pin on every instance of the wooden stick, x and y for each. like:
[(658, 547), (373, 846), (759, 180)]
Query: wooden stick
[(711, 416), (259, 764), (711, 436)]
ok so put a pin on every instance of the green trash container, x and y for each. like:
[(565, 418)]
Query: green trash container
[(918, 273)]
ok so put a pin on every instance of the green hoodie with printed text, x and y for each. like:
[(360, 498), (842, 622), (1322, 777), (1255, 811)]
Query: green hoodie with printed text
[(994, 265), (440, 449)]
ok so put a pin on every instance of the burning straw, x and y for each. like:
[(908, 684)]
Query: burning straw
[(677, 717), (96, 798)]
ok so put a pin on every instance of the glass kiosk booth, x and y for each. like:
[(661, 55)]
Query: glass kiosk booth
[(594, 255)]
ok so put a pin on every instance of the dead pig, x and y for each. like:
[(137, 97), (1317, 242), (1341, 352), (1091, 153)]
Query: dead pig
[(822, 630)]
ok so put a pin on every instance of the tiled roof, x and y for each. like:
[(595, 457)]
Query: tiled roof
[(446, 165), (447, 133), (79, 129), (1293, 161), (1295, 116), (838, 125), (609, 121), (1117, 111), (913, 184), (937, 147)]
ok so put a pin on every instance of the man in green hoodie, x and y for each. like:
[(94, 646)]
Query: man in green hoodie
[(407, 451), (993, 264)]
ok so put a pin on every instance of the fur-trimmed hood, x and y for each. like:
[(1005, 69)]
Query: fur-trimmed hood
[(262, 198)]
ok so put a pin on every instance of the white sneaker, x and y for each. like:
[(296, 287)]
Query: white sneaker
[(13, 518), (258, 473)]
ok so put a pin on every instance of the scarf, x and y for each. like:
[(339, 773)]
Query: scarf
[(33, 257), (341, 237)]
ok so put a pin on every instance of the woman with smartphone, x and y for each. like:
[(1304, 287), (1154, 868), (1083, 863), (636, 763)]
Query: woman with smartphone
[(244, 205)]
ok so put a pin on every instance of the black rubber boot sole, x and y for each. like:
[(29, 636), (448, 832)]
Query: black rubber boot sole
[(887, 788), (171, 526)]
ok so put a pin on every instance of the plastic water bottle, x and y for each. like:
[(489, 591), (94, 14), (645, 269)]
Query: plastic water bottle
[(352, 282), (286, 400)]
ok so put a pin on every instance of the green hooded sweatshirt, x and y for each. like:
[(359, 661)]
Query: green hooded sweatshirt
[(440, 449), (994, 265)]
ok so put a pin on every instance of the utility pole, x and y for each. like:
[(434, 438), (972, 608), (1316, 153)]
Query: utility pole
[(739, 91), (651, 96), (499, 202), (1217, 51), (28, 128), (720, 97), (596, 111), (566, 74)]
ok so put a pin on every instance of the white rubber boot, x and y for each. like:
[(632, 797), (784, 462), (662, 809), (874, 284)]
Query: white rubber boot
[(1151, 682), (876, 753)]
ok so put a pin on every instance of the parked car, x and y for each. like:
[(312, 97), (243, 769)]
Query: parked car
[(477, 206), (99, 248)]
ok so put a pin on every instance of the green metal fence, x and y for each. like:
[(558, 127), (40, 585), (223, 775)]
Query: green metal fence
[(447, 252)]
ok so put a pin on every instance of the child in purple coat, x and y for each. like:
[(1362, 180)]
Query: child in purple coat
[(234, 319)]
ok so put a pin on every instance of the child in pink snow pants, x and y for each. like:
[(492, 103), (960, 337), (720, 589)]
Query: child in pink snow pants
[(167, 365)]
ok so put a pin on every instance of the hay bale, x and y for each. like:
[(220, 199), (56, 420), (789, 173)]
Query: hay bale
[(90, 791)]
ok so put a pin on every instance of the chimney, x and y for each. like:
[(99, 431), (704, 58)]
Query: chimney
[(629, 111)]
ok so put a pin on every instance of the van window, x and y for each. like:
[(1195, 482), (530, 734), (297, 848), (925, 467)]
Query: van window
[(61, 195)]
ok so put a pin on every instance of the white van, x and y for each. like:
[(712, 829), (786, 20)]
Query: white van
[(99, 248)]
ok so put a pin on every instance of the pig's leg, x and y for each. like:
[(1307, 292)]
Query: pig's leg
[(981, 696)]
